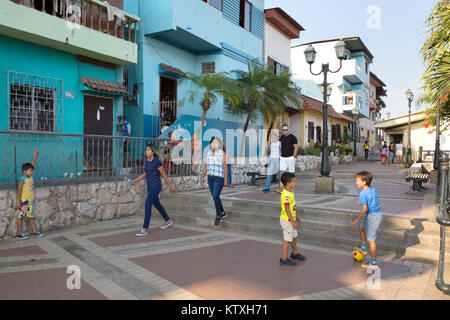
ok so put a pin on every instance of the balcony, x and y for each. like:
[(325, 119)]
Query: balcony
[(353, 72), (351, 100), (198, 27), (90, 28)]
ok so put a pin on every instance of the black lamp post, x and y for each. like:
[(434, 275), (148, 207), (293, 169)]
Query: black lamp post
[(355, 112), (410, 97), (437, 146), (310, 56)]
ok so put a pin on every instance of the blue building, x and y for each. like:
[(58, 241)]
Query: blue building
[(177, 36), (61, 74)]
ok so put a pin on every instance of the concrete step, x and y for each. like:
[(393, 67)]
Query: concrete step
[(402, 237), (306, 234)]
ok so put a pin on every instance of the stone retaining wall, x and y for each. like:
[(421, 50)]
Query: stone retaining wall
[(62, 206)]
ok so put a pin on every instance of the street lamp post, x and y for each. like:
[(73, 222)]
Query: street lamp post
[(410, 97), (310, 56), (437, 145), (355, 112)]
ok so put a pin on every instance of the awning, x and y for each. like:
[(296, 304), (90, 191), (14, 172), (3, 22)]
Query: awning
[(170, 71), (104, 85)]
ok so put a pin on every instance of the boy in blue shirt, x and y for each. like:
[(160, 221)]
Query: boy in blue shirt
[(370, 214)]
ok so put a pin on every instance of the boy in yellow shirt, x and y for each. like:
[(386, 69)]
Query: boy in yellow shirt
[(25, 198), (289, 221)]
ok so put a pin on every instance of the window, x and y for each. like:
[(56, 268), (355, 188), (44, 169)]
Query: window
[(333, 132), (245, 15), (310, 131), (345, 132), (338, 131), (367, 67), (34, 103), (215, 3)]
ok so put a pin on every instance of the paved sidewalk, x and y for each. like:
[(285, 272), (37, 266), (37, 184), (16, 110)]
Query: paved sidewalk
[(186, 262)]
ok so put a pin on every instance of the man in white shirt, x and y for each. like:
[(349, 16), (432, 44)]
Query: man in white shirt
[(399, 152)]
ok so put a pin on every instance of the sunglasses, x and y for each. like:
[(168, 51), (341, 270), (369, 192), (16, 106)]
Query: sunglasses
[(284, 130)]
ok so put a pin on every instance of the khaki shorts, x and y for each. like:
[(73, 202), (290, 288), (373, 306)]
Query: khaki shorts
[(289, 233)]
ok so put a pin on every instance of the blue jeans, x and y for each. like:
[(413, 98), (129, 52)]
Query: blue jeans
[(229, 174), (215, 186), (273, 164), (391, 157), (371, 155), (153, 199)]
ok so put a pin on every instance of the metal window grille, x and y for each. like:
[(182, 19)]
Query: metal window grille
[(34, 103)]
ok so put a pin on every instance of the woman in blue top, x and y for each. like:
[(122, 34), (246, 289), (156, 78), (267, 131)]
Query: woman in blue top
[(153, 170)]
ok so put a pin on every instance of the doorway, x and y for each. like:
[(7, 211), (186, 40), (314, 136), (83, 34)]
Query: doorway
[(167, 101), (98, 121)]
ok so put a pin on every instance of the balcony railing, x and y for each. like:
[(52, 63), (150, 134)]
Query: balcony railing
[(93, 14)]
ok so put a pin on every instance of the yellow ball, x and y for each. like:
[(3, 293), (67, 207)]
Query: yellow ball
[(357, 256)]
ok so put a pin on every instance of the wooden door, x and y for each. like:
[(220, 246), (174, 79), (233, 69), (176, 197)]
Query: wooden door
[(98, 121)]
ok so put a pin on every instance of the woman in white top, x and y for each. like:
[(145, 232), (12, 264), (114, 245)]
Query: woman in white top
[(399, 152), (274, 150), (217, 169)]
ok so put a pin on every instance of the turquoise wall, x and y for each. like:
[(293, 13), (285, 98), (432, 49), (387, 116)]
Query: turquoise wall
[(56, 154)]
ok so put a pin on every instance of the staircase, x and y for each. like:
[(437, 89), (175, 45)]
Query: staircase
[(398, 237)]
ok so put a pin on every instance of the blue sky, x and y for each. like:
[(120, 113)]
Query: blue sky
[(395, 45)]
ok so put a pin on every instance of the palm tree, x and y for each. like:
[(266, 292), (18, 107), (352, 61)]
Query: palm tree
[(436, 56), (210, 86), (260, 91)]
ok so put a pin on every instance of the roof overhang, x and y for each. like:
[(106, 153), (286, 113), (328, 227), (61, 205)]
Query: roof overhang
[(284, 22)]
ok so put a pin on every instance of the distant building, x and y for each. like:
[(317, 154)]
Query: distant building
[(396, 130), (280, 30)]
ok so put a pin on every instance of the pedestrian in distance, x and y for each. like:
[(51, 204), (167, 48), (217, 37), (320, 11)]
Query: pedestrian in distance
[(273, 167), (217, 169), (370, 216), (25, 199), (392, 149), (366, 150), (384, 151), (289, 148), (153, 171), (371, 154), (399, 152), (289, 221)]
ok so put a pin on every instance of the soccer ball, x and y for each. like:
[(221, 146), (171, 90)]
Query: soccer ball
[(357, 256)]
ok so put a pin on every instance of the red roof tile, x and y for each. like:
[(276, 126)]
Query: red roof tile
[(103, 85)]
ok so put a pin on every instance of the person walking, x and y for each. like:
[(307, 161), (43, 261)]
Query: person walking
[(384, 153), (217, 169), (399, 152), (153, 170), (229, 162), (366, 150), (289, 148), (392, 153), (274, 152)]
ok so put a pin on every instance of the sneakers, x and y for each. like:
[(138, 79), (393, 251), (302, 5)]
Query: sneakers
[(37, 234), (298, 256), (21, 236), (167, 224), (220, 218), (287, 262), (141, 233), (266, 190)]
